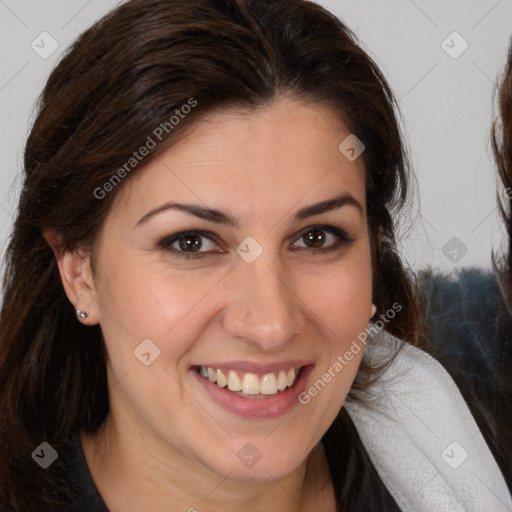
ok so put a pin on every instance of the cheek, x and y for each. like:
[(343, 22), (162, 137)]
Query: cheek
[(341, 299), (340, 303), (147, 301)]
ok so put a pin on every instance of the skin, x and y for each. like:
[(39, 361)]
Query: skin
[(165, 441)]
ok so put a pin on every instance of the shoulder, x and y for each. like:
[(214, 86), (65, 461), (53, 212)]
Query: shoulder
[(421, 436), (82, 487), (70, 473)]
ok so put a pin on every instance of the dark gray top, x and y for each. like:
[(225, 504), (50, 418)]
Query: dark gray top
[(88, 499)]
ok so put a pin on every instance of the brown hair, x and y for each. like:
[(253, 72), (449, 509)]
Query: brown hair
[(501, 140), (120, 80)]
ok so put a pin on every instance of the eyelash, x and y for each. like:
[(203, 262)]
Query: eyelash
[(343, 239)]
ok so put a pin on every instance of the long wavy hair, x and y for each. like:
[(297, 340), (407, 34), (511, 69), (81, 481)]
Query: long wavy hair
[(501, 141), (118, 82)]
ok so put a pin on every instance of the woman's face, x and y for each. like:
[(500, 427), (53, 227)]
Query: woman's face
[(269, 279)]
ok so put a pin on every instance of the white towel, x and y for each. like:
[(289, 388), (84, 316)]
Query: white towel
[(422, 438)]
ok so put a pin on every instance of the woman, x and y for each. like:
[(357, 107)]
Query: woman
[(204, 232)]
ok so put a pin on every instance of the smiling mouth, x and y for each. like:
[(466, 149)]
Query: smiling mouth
[(251, 385)]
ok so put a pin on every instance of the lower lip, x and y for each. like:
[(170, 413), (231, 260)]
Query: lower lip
[(265, 408)]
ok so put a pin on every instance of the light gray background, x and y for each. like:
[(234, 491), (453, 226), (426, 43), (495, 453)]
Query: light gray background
[(446, 105)]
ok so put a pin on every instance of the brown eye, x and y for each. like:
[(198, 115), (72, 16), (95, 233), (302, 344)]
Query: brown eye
[(190, 243), (314, 238), (321, 239)]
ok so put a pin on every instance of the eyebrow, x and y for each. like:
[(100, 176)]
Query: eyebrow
[(224, 217)]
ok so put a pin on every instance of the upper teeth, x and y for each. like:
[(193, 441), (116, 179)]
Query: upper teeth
[(250, 383)]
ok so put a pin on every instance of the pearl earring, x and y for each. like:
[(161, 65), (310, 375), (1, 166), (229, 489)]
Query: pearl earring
[(373, 310), (81, 314)]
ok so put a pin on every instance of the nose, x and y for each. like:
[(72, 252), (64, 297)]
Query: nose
[(263, 307)]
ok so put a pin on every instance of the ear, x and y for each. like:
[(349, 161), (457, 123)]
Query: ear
[(76, 276)]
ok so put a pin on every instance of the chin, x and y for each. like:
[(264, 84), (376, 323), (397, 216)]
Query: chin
[(249, 463)]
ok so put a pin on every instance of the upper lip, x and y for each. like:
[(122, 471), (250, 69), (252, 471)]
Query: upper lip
[(257, 368)]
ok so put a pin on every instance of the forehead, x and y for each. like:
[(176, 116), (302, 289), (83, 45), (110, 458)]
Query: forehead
[(283, 153)]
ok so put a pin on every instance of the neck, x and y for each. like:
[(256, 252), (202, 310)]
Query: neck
[(132, 473)]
